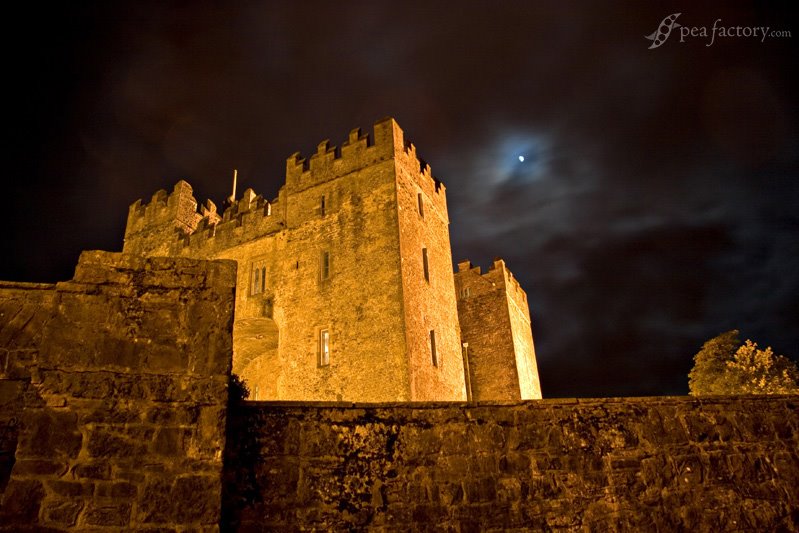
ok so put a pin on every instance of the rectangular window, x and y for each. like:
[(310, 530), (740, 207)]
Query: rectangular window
[(324, 347), (324, 266), (258, 281), (433, 352), (425, 266), (322, 206), (420, 200)]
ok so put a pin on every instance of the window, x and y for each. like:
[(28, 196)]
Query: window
[(324, 265), (433, 347), (258, 282), (420, 201), (465, 292), (324, 347), (425, 266), (322, 206)]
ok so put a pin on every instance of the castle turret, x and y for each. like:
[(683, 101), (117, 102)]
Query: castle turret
[(495, 327), (153, 229)]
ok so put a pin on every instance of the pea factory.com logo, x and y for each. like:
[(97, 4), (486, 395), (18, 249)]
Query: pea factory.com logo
[(709, 34)]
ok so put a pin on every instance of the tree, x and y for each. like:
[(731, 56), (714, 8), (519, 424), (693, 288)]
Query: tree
[(725, 366), (710, 364), (756, 371)]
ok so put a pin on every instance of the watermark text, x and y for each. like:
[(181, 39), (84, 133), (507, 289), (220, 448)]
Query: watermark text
[(710, 34)]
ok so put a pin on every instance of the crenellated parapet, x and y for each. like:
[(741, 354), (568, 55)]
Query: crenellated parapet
[(178, 206), (246, 219), (360, 150), (471, 281), (357, 152), (171, 224), (152, 227), (428, 182), (413, 171), (512, 286)]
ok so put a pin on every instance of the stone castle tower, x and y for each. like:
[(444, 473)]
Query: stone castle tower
[(345, 285)]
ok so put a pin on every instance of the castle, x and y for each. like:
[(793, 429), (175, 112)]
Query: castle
[(116, 413), (345, 287)]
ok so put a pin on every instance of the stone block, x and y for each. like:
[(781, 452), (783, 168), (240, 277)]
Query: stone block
[(168, 442), (514, 463), (62, 512), (197, 499), (106, 443), (117, 514), (39, 467), (94, 470), (156, 504), (70, 489), (21, 501), (49, 433)]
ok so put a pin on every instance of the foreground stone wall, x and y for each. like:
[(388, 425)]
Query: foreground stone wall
[(113, 417), (113, 396), (636, 464)]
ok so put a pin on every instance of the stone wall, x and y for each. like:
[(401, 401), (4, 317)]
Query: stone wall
[(113, 396), (113, 417), (635, 464)]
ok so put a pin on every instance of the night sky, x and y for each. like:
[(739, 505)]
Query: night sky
[(657, 205)]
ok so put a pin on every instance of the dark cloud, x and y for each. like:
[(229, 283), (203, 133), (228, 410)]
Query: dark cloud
[(656, 206)]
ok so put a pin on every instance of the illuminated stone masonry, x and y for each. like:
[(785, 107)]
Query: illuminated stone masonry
[(113, 396), (345, 288)]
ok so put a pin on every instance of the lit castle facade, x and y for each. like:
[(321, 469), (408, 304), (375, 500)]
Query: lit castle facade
[(345, 286)]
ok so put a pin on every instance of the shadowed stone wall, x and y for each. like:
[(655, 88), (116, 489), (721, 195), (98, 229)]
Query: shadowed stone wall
[(630, 464), (113, 396)]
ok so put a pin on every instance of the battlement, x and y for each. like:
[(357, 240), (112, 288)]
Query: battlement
[(511, 283), (248, 218), (180, 205), (150, 227), (409, 153), (360, 150), (498, 276), (171, 223)]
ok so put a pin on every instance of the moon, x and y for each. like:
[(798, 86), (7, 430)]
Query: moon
[(521, 159)]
